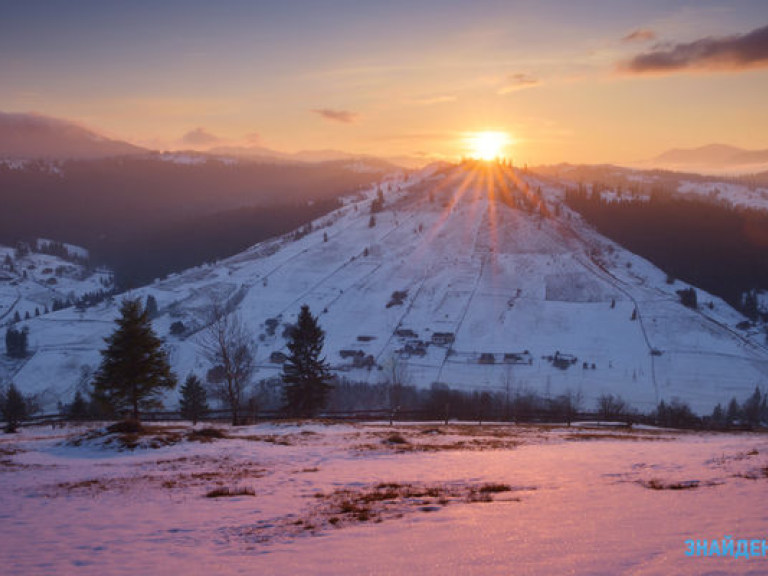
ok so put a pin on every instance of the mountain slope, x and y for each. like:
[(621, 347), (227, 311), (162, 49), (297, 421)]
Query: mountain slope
[(472, 277), (147, 215)]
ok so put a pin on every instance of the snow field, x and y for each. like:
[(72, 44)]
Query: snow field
[(577, 500)]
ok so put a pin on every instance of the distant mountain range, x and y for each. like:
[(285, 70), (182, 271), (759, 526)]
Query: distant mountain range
[(34, 136), (715, 155), (311, 156), (26, 136)]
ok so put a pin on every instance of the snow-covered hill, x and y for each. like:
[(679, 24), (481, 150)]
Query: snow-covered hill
[(472, 276), (34, 283)]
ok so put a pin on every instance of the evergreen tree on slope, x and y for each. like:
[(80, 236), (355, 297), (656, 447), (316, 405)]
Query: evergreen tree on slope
[(305, 374), (134, 369), (194, 401)]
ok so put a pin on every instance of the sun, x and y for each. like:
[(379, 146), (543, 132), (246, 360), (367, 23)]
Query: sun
[(488, 145)]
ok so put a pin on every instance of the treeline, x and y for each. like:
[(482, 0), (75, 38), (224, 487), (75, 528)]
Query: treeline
[(721, 249), (384, 401), (60, 250)]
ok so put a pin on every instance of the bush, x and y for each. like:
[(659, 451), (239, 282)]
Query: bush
[(16, 342), (129, 426), (178, 328), (688, 298)]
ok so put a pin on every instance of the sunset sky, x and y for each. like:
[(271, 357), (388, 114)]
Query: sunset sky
[(592, 81)]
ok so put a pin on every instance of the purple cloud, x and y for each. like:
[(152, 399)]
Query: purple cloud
[(736, 52), (640, 35), (343, 116), (515, 82)]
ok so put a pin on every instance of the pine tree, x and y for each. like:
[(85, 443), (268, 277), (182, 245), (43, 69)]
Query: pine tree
[(734, 412), (134, 368), (750, 306), (752, 408), (79, 408), (194, 401), (14, 408), (718, 415), (305, 374)]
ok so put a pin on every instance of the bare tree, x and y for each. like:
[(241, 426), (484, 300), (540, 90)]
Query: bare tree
[(566, 406), (228, 347), (398, 377), (610, 407)]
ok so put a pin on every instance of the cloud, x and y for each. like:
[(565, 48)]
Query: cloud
[(343, 116), (640, 35), (434, 100), (736, 52), (199, 137), (515, 82)]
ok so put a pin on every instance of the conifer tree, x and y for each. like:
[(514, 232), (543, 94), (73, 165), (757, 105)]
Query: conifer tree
[(79, 409), (14, 408), (752, 408), (134, 368), (305, 374), (194, 401), (151, 307)]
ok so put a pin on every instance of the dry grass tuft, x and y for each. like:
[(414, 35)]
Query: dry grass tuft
[(206, 435), (226, 492)]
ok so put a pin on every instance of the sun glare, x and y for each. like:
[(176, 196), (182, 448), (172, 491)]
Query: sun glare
[(488, 145)]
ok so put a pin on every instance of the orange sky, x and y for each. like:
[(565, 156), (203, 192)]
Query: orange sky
[(593, 81)]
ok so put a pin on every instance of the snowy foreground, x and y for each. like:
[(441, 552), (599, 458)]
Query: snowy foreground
[(373, 499)]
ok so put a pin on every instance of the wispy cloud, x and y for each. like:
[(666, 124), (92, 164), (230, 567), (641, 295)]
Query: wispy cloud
[(199, 137), (515, 82), (443, 99), (343, 116), (640, 35), (736, 52)]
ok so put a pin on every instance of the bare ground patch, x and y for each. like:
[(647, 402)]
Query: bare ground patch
[(657, 484), (373, 504), (431, 439), (204, 473), (630, 437), (123, 437)]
